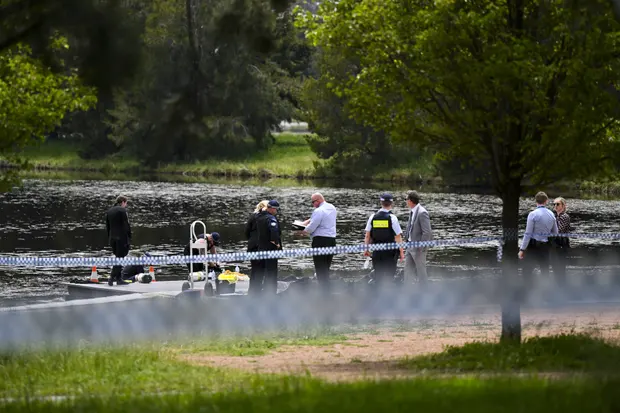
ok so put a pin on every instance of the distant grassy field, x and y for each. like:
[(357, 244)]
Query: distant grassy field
[(289, 157)]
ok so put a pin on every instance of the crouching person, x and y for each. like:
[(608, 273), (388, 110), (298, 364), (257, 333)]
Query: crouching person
[(135, 273)]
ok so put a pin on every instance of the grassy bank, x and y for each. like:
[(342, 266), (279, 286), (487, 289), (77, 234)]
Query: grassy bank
[(154, 378), (128, 378), (140, 367), (289, 157), (564, 353)]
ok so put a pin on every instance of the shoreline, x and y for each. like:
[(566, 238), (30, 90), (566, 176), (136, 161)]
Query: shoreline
[(247, 173), (604, 190)]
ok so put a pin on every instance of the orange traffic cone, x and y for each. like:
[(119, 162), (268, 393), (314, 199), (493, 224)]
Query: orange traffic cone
[(152, 273), (94, 277)]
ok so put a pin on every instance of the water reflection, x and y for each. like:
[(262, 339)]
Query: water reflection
[(66, 217)]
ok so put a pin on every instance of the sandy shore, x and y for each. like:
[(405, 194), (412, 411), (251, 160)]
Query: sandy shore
[(373, 352)]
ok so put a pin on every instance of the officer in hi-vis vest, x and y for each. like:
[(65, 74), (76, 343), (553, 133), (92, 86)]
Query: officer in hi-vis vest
[(383, 228)]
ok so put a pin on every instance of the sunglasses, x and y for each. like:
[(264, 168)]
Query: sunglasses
[(314, 201), (557, 204)]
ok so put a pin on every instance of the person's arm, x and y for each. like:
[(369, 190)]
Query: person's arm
[(399, 238), (528, 231), (367, 241), (528, 234), (554, 230), (126, 219), (107, 224), (425, 224), (212, 250), (314, 222), (274, 232)]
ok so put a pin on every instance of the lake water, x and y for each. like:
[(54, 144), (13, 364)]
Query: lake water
[(50, 218)]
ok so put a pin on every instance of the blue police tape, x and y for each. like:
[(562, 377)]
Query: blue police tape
[(26, 261), (231, 256)]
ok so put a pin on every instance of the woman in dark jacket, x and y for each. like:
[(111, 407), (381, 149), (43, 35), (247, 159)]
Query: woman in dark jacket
[(251, 234), (562, 244)]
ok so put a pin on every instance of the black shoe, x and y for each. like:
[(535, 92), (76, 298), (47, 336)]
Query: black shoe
[(111, 283)]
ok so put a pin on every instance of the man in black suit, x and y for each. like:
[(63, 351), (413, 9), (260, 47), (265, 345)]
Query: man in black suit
[(119, 235)]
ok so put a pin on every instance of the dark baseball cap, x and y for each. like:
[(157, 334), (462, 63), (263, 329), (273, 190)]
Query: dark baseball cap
[(387, 197), (273, 204), (216, 238)]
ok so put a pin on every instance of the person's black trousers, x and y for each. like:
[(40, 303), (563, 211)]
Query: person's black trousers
[(560, 255), (257, 274), (120, 248), (536, 254), (270, 278), (323, 262), (384, 264)]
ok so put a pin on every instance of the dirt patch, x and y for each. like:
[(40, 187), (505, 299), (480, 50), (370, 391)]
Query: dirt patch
[(373, 354)]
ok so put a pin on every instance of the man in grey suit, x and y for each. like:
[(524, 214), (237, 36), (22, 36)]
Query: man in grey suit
[(418, 229)]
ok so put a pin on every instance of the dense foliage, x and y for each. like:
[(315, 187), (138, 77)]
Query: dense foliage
[(527, 86), (33, 101)]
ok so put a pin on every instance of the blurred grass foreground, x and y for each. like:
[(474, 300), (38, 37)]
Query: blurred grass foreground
[(559, 373)]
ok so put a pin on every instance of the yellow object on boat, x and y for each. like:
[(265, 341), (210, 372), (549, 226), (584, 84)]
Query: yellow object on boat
[(232, 276)]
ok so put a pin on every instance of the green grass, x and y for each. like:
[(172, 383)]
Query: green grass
[(143, 367), (107, 371), (421, 395), (289, 157), (563, 353), (258, 345), (152, 377), (63, 154)]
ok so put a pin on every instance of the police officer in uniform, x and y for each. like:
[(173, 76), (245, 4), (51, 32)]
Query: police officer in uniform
[(269, 239), (383, 228), (251, 234)]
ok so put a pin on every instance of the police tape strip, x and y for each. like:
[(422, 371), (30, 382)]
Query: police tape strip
[(27, 261), (231, 256)]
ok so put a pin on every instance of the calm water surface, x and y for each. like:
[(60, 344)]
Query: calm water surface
[(66, 218)]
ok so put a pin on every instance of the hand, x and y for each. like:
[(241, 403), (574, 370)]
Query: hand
[(521, 254), (367, 253), (402, 254)]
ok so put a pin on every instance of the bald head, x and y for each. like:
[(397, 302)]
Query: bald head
[(317, 199)]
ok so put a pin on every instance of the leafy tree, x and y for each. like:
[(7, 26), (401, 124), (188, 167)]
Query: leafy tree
[(104, 40), (526, 85), (33, 101), (205, 87), (349, 147)]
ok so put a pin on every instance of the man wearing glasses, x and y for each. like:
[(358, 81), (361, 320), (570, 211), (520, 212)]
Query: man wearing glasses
[(322, 228)]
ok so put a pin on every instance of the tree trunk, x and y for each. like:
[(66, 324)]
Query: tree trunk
[(511, 306), (194, 86)]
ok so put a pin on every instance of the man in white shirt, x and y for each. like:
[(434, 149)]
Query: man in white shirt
[(540, 222), (322, 228)]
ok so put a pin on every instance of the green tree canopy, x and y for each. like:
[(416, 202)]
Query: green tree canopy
[(206, 86), (33, 101), (526, 85)]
